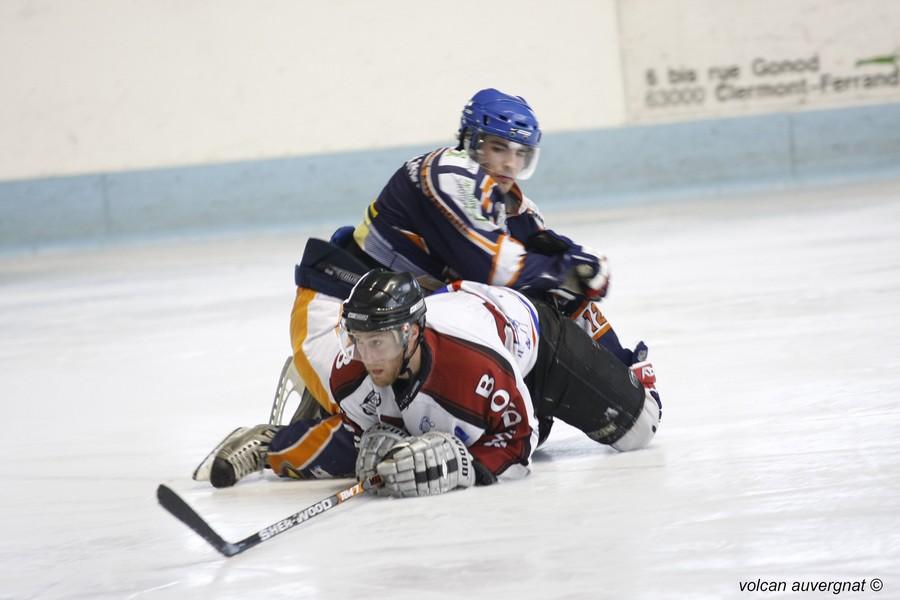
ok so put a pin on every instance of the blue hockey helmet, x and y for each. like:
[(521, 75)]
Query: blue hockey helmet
[(510, 117), (491, 112)]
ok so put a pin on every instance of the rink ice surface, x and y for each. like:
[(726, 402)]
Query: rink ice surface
[(772, 321)]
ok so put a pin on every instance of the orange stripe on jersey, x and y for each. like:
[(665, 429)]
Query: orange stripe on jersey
[(486, 189), (602, 331), (299, 331), (417, 240), (577, 312), (479, 240), (307, 448), (594, 322), (500, 241), (516, 193), (511, 280), (515, 276)]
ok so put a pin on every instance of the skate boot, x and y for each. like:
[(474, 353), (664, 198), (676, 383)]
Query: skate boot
[(241, 453)]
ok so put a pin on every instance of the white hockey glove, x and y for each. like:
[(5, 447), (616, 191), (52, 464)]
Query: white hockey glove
[(373, 445), (427, 465)]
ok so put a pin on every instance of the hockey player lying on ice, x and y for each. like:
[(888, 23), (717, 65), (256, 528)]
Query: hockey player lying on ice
[(454, 211), (459, 388), (450, 392)]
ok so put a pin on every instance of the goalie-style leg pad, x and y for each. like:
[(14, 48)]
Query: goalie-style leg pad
[(581, 382)]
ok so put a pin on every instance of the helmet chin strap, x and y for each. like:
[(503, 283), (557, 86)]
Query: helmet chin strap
[(404, 366), (412, 388)]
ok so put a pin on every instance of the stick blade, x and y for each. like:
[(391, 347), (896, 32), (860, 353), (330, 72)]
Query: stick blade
[(179, 509)]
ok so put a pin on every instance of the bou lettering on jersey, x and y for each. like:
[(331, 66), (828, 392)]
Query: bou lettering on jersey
[(500, 401)]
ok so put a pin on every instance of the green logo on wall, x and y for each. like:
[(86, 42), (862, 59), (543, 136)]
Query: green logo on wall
[(885, 59)]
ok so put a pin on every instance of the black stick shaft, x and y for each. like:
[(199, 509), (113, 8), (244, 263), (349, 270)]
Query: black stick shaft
[(173, 503)]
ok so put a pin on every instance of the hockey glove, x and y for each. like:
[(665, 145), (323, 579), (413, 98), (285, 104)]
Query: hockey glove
[(427, 465), (373, 445), (549, 242), (592, 271)]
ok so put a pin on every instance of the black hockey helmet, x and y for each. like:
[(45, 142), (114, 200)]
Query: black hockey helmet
[(383, 299)]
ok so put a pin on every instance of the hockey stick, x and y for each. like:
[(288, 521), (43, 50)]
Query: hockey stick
[(173, 503)]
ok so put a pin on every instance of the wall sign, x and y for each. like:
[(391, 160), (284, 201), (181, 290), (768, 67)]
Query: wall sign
[(708, 58)]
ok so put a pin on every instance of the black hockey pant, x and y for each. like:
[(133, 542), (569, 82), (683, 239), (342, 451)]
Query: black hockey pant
[(580, 382)]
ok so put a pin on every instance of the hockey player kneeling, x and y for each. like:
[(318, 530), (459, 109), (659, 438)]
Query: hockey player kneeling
[(467, 398)]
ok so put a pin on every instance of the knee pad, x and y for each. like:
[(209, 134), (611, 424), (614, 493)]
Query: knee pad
[(644, 427)]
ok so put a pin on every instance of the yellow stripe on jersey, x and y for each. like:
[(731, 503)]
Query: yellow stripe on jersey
[(299, 332), (361, 232)]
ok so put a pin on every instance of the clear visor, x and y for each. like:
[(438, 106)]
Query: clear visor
[(500, 156), (374, 346)]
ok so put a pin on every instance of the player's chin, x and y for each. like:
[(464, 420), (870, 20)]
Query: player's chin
[(504, 183), (381, 376)]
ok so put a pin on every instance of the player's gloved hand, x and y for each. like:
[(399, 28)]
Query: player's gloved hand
[(373, 445), (430, 464), (592, 271), (549, 242)]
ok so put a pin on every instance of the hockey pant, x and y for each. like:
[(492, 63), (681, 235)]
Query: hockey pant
[(585, 385)]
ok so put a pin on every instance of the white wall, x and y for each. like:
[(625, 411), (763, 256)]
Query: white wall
[(111, 85), (692, 59), (145, 117)]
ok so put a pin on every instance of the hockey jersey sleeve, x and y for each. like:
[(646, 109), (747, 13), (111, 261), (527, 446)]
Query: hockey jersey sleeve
[(506, 445), (490, 404), (447, 218)]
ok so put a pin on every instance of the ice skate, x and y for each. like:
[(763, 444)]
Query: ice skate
[(241, 453)]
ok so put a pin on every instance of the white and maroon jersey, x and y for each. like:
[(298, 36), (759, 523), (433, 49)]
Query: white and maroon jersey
[(443, 215), (477, 340), (514, 315)]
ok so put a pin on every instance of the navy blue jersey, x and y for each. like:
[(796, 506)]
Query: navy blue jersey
[(443, 215)]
